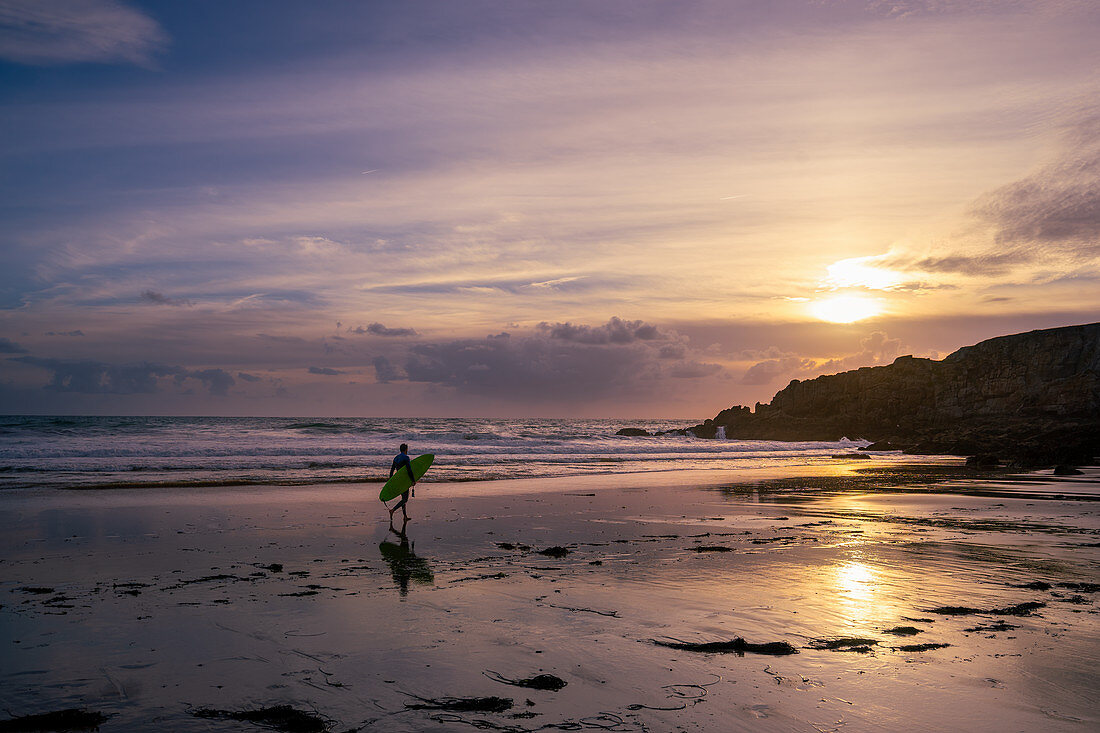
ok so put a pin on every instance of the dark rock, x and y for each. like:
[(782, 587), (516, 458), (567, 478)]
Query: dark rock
[(556, 551), (983, 460), (1065, 470), (638, 432), (1033, 396)]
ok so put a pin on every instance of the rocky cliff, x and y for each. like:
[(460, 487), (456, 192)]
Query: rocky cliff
[(1033, 398)]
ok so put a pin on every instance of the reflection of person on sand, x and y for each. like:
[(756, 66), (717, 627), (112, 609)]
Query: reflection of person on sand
[(402, 459), (403, 562)]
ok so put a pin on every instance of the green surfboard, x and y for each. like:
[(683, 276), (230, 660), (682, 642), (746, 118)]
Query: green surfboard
[(399, 482)]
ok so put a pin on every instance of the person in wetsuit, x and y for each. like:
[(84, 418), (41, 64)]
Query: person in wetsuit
[(402, 460)]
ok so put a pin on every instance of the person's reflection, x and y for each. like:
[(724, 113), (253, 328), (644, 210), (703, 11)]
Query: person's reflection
[(403, 562)]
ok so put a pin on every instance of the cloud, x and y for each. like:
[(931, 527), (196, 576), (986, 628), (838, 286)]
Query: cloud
[(7, 346), (244, 376), (325, 371), (769, 370), (537, 369), (152, 296), (558, 362), (217, 381), (694, 370), (95, 377), (49, 32), (1059, 204), (615, 331), (77, 332), (386, 371), (377, 329), (875, 348)]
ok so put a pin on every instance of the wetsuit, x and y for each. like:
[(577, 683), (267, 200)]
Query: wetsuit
[(402, 459)]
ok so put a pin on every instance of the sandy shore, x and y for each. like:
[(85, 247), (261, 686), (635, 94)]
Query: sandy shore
[(916, 598)]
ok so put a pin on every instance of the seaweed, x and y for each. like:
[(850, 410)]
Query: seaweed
[(1081, 587), (1034, 585), (462, 704), (712, 548), (574, 609), (1020, 609), (57, 720), (513, 546), (1000, 625), (904, 631), (955, 610), (278, 717), (538, 682), (738, 646), (918, 647), (490, 576), (845, 644)]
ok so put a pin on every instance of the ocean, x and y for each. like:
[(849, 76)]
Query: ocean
[(145, 452)]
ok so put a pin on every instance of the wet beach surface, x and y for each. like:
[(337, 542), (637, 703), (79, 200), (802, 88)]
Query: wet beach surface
[(865, 598)]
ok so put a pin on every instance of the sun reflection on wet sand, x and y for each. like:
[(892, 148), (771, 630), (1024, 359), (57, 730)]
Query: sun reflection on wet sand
[(857, 586)]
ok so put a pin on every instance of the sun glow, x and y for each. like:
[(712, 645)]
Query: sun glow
[(855, 272), (845, 308)]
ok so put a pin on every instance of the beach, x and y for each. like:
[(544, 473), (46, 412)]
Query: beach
[(866, 595)]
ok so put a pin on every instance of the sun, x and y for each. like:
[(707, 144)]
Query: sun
[(845, 308)]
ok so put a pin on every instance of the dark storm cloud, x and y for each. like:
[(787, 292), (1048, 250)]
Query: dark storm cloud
[(324, 371), (1057, 205), (377, 329), (95, 377), (615, 331), (7, 346), (152, 296)]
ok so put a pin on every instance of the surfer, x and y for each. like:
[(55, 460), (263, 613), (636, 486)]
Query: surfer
[(402, 459)]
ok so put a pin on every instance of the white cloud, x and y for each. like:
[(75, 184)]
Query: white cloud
[(47, 32)]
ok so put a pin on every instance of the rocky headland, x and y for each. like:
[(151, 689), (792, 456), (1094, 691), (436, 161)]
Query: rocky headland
[(1030, 399)]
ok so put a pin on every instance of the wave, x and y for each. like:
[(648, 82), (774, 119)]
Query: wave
[(316, 426)]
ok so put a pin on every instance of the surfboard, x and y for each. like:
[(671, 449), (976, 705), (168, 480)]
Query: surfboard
[(399, 482)]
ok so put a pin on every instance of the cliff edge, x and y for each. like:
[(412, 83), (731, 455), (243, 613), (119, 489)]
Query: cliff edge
[(1031, 398)]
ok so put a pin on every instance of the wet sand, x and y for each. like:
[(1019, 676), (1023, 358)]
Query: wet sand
[(922, 598)]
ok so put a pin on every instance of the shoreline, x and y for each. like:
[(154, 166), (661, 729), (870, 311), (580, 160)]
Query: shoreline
[(158, 604), (357, 490)]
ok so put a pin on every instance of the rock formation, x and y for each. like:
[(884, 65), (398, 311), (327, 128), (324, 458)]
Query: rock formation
[(1031, 398)]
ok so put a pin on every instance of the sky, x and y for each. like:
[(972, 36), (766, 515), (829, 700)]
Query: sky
[(512, 208)]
